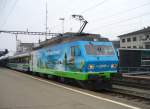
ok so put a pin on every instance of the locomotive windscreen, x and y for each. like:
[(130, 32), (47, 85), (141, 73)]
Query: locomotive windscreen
[(99, 50)]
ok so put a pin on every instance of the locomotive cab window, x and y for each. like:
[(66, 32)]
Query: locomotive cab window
[(75, 51), (99, 50)]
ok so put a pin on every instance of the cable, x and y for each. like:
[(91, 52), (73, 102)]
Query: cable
[(124, 28), (5, 21), (122, 12), (2, 8), (125, 20), (94, 6)]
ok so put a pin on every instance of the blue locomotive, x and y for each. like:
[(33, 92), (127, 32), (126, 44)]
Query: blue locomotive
[(86, 58), (81, 57)]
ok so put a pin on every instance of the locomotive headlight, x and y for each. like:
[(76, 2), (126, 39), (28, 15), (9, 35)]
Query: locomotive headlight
[(113, 65), (91, 66)]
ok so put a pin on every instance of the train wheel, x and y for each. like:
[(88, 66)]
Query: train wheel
[(103, 85), (86, 85), (62, 79), (95, 85), (45, 76), (33, 73)]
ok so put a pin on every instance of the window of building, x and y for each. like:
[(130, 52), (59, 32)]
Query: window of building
[(140, 46), (134, 38), (141, 38), (128, 39), (134, 46), (128, 47), (147, 36), (123, 40), (147, 46)]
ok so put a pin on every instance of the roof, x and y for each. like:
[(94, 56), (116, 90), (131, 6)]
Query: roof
[(26, 44), (20, 55), (145, 30), (70, 37)]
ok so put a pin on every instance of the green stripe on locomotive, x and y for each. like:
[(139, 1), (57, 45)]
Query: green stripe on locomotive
[(75, 75), (57, 60)]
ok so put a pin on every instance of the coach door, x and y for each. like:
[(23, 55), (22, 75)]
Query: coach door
[(31, 62)]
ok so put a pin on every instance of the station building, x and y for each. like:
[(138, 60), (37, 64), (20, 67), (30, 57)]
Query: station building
[(138, 39), (24, 47)]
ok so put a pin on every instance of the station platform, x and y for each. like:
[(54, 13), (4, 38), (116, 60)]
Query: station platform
[(18, 91)]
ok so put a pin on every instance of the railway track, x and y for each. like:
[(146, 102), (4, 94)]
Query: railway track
[(118, 91), (124, 89), (138, 86), (133, 81), (130, 91)]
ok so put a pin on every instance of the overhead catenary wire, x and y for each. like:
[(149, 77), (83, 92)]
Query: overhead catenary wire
[(94, 6), (90, 8), (2, 5), (101, 3), (119, 13), (11, 10), (122, 12), (3, 9), (125, 20)]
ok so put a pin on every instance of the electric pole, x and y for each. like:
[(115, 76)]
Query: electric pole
[(62, 19)]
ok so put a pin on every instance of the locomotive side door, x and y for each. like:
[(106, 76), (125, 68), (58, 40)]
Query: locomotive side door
[(75, 56)]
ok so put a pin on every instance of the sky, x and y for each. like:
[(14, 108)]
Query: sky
[(109, 18)]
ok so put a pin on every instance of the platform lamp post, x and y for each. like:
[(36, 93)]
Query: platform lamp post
[(62, 19)]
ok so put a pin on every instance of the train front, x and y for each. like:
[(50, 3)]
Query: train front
[(100, 59)]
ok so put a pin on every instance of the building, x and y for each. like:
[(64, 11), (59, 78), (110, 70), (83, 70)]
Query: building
[(116, 44), (24, 47), (134, 60), (137, 39)]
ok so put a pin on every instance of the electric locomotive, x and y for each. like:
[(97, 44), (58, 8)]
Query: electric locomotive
[(86, 58)]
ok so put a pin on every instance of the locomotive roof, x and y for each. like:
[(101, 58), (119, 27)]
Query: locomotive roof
[(70, 37)]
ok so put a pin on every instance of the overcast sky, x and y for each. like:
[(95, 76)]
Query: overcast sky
[(109, 18)]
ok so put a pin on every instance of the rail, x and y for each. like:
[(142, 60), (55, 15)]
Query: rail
[(135, 84)]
